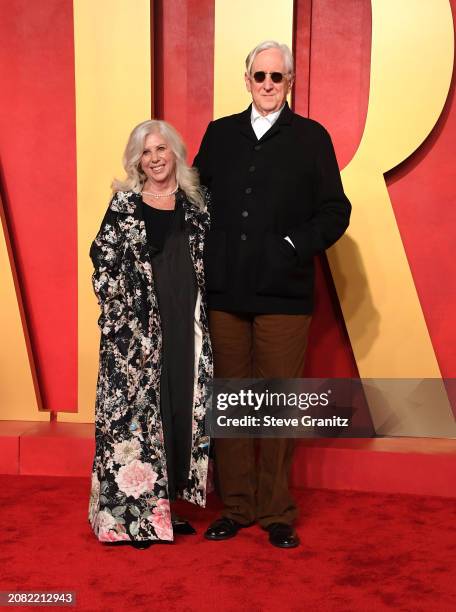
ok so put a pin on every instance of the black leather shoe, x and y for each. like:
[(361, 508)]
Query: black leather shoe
[(223, 529), (282, 535), (183, 528), (141, 544)]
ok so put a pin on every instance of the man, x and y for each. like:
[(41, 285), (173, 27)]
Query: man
[(277, 201)]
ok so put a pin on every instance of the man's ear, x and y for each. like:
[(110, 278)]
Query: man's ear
[(247, 82), (290, 84)]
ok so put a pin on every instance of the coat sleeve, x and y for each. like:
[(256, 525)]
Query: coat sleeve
[(332, 208), (204, 156), (106, 255)]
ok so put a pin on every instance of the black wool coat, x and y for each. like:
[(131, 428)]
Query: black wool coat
[(287, 183)]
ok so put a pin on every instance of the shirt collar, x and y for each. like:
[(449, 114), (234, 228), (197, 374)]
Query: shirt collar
[(270, 118)]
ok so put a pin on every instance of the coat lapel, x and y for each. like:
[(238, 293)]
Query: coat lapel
[(196, 225), (245, 124), (132, 224)]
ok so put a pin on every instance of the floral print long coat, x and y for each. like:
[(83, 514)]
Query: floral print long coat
[(129, 499)]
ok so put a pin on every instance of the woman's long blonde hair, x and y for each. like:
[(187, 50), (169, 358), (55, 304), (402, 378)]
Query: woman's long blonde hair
[(187, 178)]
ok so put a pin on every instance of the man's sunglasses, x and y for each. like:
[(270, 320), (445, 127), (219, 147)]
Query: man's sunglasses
[(276, 77)]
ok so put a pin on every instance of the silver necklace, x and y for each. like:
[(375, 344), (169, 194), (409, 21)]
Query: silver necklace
[(160, 195)]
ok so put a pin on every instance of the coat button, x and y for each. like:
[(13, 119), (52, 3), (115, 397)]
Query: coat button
[(257, 147), (245, 213), (252, 169), (248, 190), (243, 236)]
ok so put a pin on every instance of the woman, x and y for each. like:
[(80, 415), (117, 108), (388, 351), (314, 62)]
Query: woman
[(155, 353)]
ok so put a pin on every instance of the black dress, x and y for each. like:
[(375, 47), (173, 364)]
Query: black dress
[(176, 288)]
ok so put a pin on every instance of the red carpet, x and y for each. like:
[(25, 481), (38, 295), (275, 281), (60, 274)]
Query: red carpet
[(360, 551)]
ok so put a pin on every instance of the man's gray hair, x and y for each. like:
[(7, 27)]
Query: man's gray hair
[(271, 44)]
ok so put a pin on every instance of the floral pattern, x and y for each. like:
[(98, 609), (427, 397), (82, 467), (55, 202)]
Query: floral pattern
[(129, 496), (161, 520)]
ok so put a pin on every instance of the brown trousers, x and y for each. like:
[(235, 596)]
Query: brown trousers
[(257, 346)]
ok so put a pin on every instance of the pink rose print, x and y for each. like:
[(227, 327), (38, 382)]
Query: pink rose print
[(104, 521), (112, 536), (136, 478), (161, 520)]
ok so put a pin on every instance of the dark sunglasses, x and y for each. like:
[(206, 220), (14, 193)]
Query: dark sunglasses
[(276, 77)]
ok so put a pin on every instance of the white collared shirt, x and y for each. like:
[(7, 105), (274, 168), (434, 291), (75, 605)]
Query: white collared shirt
[(262, 124)]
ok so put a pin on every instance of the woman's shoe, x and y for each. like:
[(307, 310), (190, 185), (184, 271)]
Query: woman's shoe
[(141, 544), (182, 527)]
